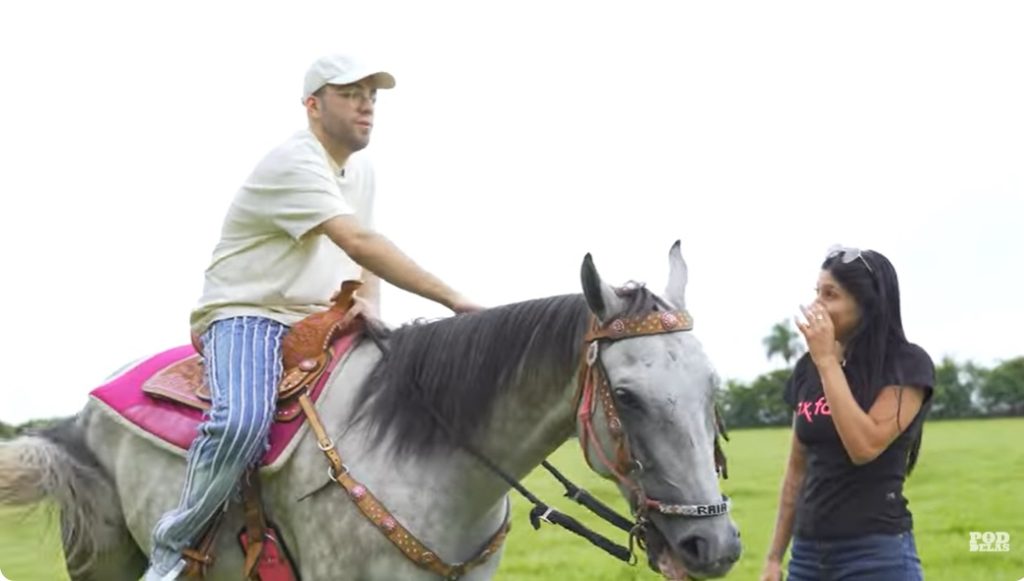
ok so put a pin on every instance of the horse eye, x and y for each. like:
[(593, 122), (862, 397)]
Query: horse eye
[(626, 398)]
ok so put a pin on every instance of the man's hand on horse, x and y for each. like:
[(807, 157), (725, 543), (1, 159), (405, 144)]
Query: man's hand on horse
[(463, 305)]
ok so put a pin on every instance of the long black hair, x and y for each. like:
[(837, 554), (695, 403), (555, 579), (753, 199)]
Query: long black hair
[(872, 350)]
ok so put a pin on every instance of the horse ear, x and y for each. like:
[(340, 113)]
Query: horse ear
[(601, 297), (677, 275)]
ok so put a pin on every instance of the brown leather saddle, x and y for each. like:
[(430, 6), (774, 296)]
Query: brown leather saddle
[(305, 354)]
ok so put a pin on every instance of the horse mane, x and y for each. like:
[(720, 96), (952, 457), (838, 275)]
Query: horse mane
[(456, 369)]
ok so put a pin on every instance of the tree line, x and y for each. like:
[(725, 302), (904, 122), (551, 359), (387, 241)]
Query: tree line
[(963, 389)]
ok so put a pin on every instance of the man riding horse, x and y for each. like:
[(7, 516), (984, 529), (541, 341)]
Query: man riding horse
[(299, 225)]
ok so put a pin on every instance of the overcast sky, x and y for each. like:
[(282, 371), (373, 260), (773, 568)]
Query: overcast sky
[(521, 136)]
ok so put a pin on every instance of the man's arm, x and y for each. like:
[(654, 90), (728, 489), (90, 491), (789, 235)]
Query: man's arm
[(379, 255)]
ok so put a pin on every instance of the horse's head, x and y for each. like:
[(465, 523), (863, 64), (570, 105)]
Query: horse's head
[(646, 418)]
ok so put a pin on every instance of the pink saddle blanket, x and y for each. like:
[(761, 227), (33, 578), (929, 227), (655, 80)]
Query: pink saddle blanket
[(178, 423)]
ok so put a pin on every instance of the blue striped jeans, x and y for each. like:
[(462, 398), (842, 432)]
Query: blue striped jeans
[(242, 358)]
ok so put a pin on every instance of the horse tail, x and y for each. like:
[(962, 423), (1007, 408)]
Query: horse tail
[(54, 464)]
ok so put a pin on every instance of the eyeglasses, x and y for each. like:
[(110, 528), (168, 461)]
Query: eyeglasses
[(847, 255)]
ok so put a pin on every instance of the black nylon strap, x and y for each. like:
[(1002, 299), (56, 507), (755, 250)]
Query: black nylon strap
[(542, 512), (584, 498)]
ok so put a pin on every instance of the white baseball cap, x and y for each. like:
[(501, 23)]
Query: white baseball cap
[(342, 69)]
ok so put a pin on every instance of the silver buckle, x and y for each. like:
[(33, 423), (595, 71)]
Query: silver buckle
[(544, 517), (334, 477)]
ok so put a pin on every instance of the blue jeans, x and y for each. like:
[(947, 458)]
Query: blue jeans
[(242, 360), (866, 558)]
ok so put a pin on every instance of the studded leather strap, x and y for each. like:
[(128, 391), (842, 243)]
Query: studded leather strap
[(653, 324), (378, 514)]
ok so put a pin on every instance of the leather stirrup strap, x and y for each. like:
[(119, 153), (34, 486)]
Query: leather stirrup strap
[(199, 559), (255, 524)]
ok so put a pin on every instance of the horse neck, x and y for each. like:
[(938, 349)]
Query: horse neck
[(533, 415), (527, 426), (523, 430), (450, 500), (528, 422)]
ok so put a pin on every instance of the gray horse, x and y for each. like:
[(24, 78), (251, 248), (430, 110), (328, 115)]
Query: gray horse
[(400, 409)]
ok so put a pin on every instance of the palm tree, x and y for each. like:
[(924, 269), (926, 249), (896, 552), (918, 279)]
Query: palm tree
[(784, 342)]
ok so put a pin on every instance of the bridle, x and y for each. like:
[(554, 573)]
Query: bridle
[(594, 388)]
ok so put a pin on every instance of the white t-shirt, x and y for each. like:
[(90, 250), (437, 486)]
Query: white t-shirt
[(270, 260)]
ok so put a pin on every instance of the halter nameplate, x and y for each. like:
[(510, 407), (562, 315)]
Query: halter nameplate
[(693, 510)]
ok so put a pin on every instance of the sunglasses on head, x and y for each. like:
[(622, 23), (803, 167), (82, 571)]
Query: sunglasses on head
[(848, 255)]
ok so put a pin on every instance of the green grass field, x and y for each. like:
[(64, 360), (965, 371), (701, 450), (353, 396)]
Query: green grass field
[(970, 478), (30, 544)]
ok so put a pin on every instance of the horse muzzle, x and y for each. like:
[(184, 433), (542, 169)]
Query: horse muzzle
[(703, 549)]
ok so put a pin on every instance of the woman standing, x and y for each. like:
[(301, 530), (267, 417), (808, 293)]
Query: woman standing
[(860, 396)]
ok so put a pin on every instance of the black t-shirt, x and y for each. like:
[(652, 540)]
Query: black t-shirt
[(840, 499)]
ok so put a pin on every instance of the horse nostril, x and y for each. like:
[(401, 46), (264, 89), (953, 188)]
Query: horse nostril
[(694, 548)]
